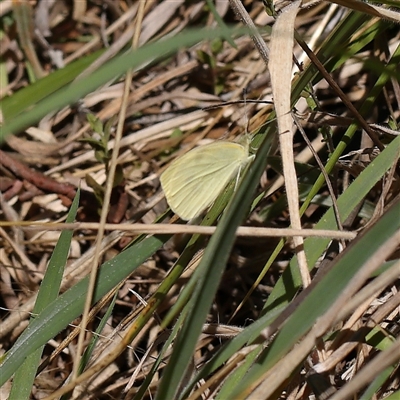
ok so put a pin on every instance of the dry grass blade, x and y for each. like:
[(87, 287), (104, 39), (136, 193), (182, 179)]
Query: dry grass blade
[(371, 9), (221, 296), (281, 76)]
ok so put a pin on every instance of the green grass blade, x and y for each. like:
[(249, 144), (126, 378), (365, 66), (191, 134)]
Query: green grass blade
[(290, 281), (325, 292), (62, 311), (394, 396), (210, 269), (26, 98), (111, 70), (24, 377), (90, 348)]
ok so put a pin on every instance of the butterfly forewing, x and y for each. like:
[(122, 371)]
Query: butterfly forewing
[(193, 182)]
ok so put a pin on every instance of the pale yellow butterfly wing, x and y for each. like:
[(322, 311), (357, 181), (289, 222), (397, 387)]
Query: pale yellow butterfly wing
[(192, 182)]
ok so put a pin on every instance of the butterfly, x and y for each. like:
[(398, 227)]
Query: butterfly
[(192, 182)]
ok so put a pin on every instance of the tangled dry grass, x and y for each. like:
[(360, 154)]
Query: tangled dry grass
[(174, 314)]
